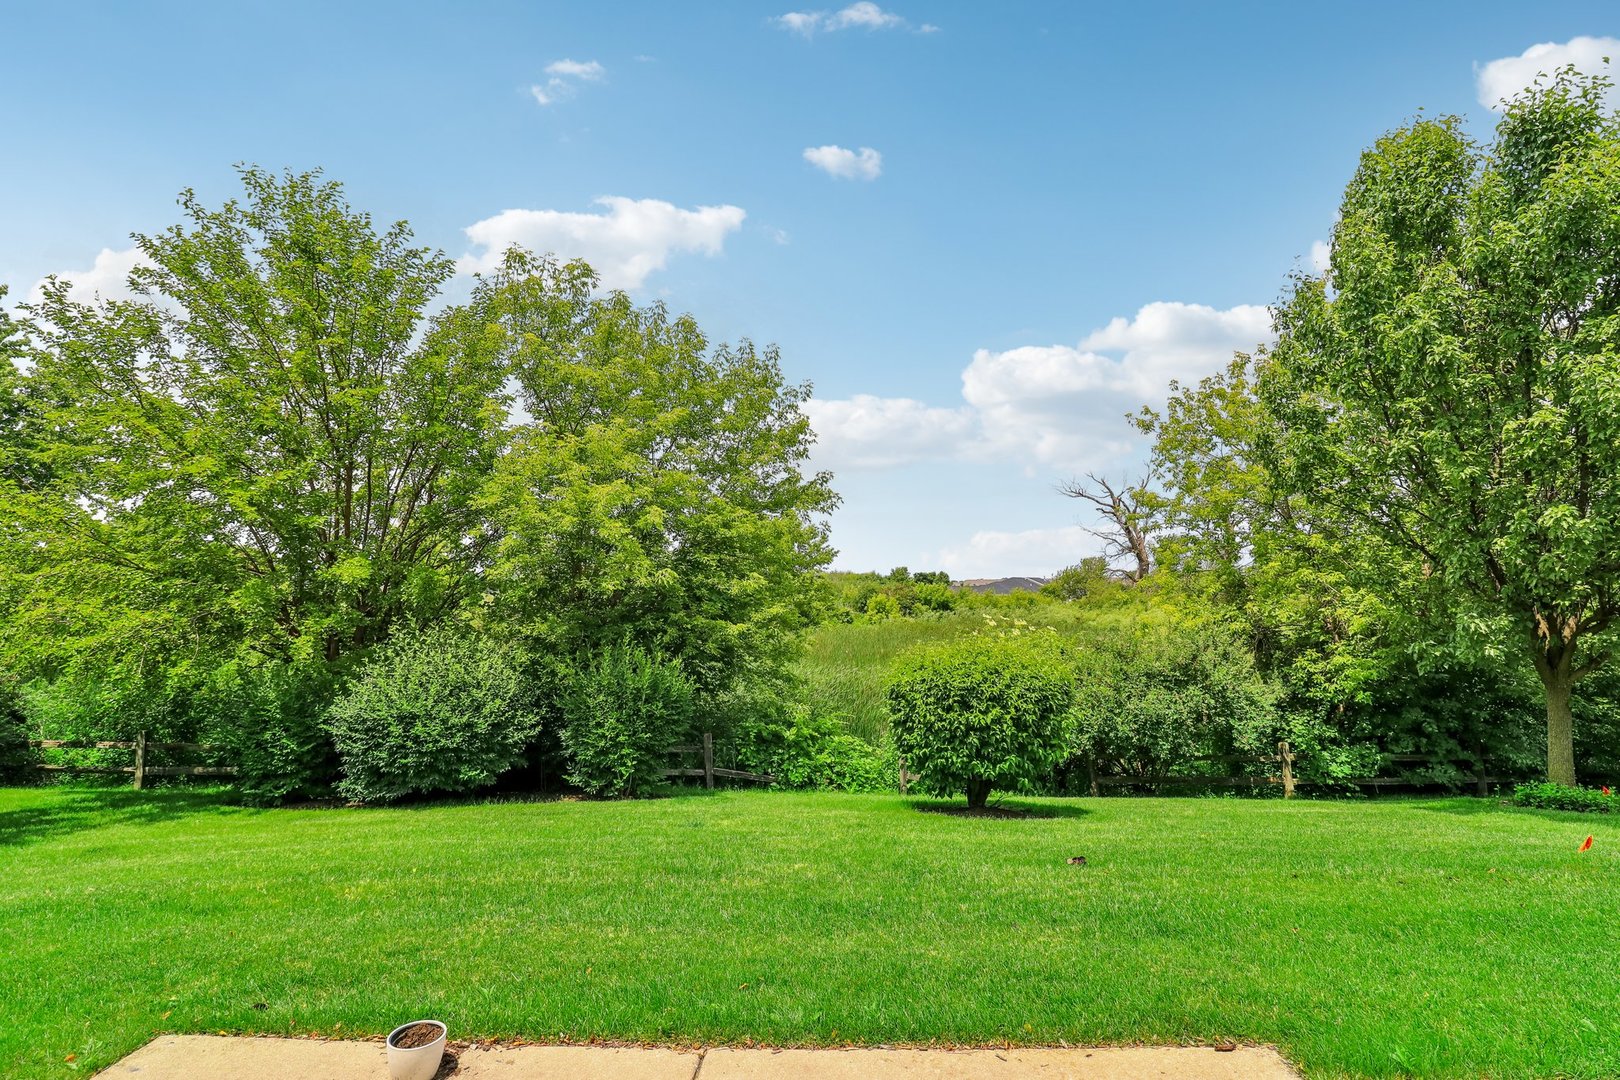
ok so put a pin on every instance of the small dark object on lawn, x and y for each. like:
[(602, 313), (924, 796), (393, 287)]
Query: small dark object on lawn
[(1225, 1048), (417, 1035), (261, 1006), (1077, 860)]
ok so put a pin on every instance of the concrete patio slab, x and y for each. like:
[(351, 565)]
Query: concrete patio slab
[(1111, 1063), (214, 1057)]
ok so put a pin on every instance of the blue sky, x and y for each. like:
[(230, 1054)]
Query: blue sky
[(984, 231)]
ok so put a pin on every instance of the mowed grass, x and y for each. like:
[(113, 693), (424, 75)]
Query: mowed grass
[(1446, 937)]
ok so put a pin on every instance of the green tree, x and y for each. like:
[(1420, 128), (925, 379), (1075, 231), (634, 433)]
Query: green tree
[(1088, 577), (270, 449), (1451, 388), (981, 713), (658, 496)]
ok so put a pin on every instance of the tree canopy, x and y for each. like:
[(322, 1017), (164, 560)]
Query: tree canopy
[(287, 445), (1450, 389)]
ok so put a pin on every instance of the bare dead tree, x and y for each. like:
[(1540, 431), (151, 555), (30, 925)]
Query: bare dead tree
[(1130, 511)]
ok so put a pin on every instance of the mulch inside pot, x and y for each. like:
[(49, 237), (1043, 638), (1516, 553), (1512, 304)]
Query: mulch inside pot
[(417, 1035)]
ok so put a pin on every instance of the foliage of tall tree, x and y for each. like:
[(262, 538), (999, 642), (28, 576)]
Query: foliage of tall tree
[(658, 495), (270, 445), (1452, 387)]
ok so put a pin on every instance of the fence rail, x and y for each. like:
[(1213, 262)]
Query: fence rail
[(140, 770), (710, 770)]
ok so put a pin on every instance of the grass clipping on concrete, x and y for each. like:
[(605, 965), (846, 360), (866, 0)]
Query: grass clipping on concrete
[(1449, 937)]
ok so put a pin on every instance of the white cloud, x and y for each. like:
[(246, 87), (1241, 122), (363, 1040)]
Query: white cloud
[(566, 75), (1321, 256), (863, 15), (1030, 551), (1058, 408), (867, 432), (1170, 340), (837, 161), (632, 239), (108, 277), (1505, 78), (801, 22), (866, 15), (589, 70)]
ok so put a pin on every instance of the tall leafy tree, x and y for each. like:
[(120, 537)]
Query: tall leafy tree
[(1452, 387), (272, 447), (658, 494)]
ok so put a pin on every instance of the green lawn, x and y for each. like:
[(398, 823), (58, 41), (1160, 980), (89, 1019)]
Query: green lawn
[(1443, 937)]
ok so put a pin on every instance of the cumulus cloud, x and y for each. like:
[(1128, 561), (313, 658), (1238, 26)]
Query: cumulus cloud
[(1503, 79), (864, 15), (1049, 407), (631, 239), (107, 277), (865, 431), (566, 77), (844, 164), (1038, 551)]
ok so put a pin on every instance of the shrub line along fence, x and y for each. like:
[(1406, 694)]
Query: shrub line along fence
[(140, 769), (709, 770), (1285, 776), (1284, 757)]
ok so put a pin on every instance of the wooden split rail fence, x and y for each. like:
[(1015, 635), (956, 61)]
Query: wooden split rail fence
[(710, 770), (140, 769), (1284, 776)]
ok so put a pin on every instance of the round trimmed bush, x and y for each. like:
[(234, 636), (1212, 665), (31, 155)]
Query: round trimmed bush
[(433, 710), (981, 714)]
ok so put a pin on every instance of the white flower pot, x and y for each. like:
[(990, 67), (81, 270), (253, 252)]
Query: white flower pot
[(415, 1062)]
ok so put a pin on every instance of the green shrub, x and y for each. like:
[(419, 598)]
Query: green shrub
[(433, 710), (1546, 795), (981, 714), (804, 751), (17, 759), (882, 606), (272, 716), (1152, 700), (620, 713)]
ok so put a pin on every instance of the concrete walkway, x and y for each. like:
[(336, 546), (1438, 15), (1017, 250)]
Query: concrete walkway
[(213, 1057)]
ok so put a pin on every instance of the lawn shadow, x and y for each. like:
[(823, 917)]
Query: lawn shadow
[(999, 810), (74, 810)]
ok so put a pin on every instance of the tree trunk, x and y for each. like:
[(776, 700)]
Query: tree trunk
[(978, 792), (1559, 684), (1555, 663)]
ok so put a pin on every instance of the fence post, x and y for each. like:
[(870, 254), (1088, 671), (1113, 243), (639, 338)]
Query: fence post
[(140, 760), (1091, 774), (1287, 758), (902, 776), (708, 759)]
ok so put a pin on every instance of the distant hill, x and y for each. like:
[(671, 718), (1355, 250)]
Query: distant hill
[(1002, 584)]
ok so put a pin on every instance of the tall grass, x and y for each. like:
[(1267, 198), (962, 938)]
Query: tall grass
[(844, 664)]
